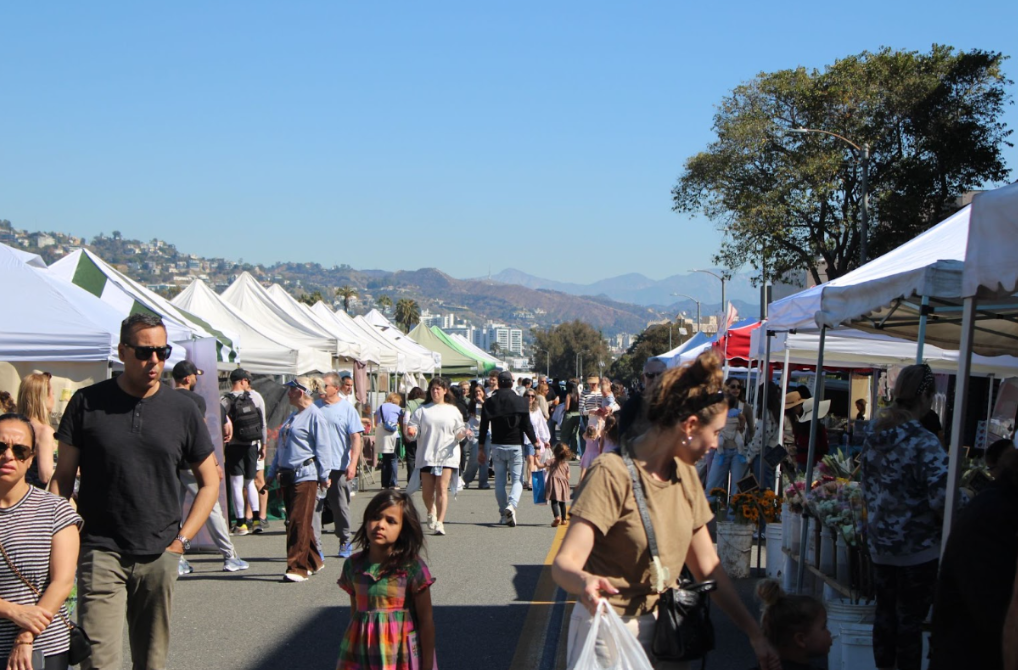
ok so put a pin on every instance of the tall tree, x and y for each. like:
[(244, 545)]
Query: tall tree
[(569, 345), (346, 293), (383, 301), (932, 123), (653, 341), (408, 313), (310, 299)]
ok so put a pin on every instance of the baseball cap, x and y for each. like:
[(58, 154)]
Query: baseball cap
[(345, 374), (505, 377), (184, 369), (239, 375)]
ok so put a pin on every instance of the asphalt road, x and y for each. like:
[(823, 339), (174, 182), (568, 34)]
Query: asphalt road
[(496, 606)]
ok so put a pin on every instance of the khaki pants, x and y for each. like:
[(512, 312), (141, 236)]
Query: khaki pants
[(113, 585), (640, 626)]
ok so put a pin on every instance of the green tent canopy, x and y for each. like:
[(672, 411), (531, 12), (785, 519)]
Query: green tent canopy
[(454, 361), (486, 362)]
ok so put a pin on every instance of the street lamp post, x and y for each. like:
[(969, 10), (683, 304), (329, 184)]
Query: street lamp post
[(863, 155), (724, 305), (683, 295)]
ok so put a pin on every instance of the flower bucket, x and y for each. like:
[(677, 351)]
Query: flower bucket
[(735, 541), (786, 522), (775, 558), (844, 568), (795, 532), (851, 626)]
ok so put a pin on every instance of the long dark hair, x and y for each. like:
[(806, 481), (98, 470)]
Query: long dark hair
[(410, 542)]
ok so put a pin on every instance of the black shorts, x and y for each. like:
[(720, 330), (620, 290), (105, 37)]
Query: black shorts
[(241, 460)]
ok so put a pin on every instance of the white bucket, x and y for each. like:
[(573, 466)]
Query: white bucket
[(851, 627), (786, 523), (735, 542), (795, 530), (775, 559)]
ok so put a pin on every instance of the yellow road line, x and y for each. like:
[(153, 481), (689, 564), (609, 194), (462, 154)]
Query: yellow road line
[(530, 647)]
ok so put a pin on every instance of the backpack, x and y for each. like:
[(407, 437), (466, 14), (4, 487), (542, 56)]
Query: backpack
[(246, 418)]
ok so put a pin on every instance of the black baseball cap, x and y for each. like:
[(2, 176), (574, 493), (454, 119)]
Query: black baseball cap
[(505, 377), (185, 368), (239, 375)]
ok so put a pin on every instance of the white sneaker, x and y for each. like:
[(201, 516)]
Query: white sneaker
[(510, 516), (502, 517), (431, 521), (294, 577), (234, 564), (439, 528)]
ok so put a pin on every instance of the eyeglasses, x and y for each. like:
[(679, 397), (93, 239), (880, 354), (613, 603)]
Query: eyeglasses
[(145, 353), (20, 451), (531, 396)]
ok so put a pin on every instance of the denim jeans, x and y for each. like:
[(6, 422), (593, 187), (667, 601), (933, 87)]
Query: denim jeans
[(473, 468), (507, 458), (725, 461)]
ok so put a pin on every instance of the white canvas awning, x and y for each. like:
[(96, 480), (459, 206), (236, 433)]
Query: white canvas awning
[(261, 353)]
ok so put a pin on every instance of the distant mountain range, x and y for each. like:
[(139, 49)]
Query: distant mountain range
[(637, 289)]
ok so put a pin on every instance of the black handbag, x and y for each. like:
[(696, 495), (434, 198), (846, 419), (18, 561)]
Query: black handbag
[(81, 645), (683, 631)]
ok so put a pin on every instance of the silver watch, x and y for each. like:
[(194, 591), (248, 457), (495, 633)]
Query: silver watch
[(184, 541)]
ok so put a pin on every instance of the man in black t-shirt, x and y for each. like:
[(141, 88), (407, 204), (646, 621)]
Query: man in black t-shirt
[(128, 435), (185, 378)]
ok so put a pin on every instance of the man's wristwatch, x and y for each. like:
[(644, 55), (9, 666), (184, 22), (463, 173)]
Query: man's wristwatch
[(184, 541)]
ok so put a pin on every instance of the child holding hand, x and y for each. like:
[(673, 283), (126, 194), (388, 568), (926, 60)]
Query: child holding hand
[(795, 625), (391, 625)]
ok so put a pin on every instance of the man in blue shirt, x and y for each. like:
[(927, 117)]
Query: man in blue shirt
[(346, 450)]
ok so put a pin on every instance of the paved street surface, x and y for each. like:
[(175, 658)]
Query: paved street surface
[(496, 606)]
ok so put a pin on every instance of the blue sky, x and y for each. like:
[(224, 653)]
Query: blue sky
[(458, 135)]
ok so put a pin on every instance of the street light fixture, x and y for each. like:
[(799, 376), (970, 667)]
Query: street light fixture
[(683, 295), (862, 153), (724, 305)]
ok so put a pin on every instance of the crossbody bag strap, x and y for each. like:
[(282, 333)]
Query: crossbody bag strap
[(660, 579), (30, 585)]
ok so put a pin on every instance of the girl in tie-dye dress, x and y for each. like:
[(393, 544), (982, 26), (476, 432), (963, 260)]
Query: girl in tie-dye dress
[(391, 626)]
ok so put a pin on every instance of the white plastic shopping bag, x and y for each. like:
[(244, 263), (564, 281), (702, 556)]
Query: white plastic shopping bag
[(414, 485), (609, 645)]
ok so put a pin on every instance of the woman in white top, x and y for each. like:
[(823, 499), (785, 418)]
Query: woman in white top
[(438, 428), (542, 434)]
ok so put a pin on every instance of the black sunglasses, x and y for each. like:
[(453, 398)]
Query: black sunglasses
[(652, 375), (145, 353), (20, 451)]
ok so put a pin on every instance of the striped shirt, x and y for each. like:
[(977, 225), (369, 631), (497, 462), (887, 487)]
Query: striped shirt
[(590, 402), (26, 530)]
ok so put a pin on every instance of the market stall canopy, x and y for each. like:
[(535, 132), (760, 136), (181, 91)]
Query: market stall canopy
[(991, 269), (262, 354), (735, 344), (454, 362), (474, 350), (49, 319), (392, 332), (484, 361), (346, 347), (887, 294), (413, 359), (671, 358), (850, 348), (256, 306), (86, 270), (370, 351)]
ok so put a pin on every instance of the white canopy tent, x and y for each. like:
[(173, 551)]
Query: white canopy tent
[(261, 353), (411, 358), (370, 350), (86, 270), (47, 318), (253, 302), (348, 348), (393, 333)]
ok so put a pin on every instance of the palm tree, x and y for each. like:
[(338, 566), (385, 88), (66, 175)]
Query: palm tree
[(408, 313), (383, 301), (346, 292), (495, 348)]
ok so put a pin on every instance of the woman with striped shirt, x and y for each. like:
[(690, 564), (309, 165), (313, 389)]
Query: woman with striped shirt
[(39, 534)]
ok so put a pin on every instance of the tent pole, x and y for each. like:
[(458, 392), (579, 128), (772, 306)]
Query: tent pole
[(764, 416), (784, 390), (923, 310), (989, 408), (961, 398), (818, 395)]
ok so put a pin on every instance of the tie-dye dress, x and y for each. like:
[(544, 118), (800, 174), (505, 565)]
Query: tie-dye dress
[(381, 634)]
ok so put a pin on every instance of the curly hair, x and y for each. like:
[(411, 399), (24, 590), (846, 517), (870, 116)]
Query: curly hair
[(690, 390)]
